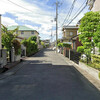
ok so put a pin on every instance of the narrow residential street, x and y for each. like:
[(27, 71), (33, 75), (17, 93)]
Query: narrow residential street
[(46, 76)]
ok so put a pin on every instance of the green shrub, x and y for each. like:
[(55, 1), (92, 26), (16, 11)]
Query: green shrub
[(33, 38), (60, 44), (42, 43), (31, 46), (96, 61), (99, 74), (67, 45), (80, 49), (47, 45)]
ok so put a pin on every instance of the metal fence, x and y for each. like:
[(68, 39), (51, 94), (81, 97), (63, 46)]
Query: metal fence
[(73, 55)]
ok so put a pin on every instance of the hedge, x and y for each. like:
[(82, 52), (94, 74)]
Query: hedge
[(96, 61)]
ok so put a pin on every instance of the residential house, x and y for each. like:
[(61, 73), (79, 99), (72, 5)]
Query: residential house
[(94, 5), (75, 42), (46, 42), (24, 32), (69, 32)]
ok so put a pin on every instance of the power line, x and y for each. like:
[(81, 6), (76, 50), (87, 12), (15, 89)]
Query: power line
[(20, 6), (23, 7), (71, 10), (69, 13), (78, 9), (77, 14)]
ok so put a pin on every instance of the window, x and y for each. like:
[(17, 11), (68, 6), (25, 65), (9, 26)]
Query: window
[(71, 33), (32, 32), (22, 32)]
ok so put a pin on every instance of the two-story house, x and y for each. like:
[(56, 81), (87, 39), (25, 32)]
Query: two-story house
[(24, 32), (69, 32)]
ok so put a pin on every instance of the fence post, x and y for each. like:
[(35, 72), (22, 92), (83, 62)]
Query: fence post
[(12, 54), (69, 54)]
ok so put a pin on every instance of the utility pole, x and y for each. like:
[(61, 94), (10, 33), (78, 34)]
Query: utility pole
[(51, 30), (0, 33), (57, 3), (51, 36)]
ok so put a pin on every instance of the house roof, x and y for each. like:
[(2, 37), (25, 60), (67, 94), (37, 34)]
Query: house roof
[(70, 27), (21, 28)]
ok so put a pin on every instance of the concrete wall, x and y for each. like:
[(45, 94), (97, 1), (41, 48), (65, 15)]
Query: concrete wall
[(17, 57), (3, 59)]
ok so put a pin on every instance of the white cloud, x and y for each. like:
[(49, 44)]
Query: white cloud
[(8, 21), (38, 15)]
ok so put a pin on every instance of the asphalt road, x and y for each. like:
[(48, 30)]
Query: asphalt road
[(46, 76)]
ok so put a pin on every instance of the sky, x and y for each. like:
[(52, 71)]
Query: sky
[(40, 14)]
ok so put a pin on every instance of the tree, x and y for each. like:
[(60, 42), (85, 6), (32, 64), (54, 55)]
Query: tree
[(7, 38), (96, 38), (60, 45), (17, 47), (43, 44), (31, 46), (80, 49), (89, 30), (33, 38)]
